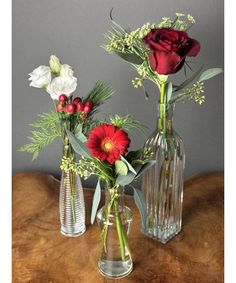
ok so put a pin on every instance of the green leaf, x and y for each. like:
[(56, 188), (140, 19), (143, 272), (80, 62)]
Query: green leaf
[(125, 180), (129, 165), (121, 168), (79, 134), (189, 80), (169, 91), (77, 145), (141, 204), (96, 201), (146, 167), (210, 73), (130, 57), (134, 155)]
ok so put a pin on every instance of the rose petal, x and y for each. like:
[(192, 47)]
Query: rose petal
[(195, 48), (153, 61), (167, 63)]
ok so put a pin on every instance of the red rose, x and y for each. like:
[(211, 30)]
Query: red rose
[(107, 142), (169, 49)]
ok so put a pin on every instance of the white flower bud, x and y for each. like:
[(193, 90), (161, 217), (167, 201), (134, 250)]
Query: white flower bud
[(55, 64)]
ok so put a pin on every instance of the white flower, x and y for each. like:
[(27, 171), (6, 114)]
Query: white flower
[(62, 85), (40, 77), (66, 71), (55, 64)]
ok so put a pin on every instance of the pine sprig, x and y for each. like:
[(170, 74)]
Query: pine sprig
[(100, 93), (48, 130)]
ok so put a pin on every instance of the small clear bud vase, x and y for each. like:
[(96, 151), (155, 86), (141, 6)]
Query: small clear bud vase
[(71, 200), (115, 221), (162, 184)]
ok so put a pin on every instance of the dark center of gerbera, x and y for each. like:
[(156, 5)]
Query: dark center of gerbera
[(107, 144)]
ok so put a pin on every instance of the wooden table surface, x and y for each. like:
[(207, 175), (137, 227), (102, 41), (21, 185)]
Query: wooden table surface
[(42, 255)]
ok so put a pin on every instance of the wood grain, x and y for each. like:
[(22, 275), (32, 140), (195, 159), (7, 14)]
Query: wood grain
[(42, 255)]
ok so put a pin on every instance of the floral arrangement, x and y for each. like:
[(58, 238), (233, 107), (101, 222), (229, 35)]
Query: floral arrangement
[(158, 50), (71, 112), (105, 155)]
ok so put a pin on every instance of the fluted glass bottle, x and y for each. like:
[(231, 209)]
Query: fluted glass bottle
[(115, 220), (71, 200), (162, 184)]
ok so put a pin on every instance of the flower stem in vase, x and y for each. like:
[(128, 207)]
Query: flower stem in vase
[(114, 219)]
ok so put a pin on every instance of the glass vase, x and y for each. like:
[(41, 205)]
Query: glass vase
[(162, 184), (115, 221), (71, 199)]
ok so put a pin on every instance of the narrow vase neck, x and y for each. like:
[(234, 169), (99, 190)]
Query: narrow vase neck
[(68, 150), (165, 118), (114, 194)]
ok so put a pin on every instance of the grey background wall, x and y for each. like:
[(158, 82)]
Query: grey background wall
[(74, 30)]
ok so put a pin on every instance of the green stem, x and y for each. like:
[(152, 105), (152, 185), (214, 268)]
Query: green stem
[(162, 116), (105, 228), (119, 230)]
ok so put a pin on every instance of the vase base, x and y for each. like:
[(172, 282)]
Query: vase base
[(163, 236), (115, 269), (75, 233)]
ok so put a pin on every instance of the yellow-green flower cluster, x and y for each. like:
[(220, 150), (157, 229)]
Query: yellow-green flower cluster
[(196, 92), (165, 23), (137, 82), (147, 154), (142, 69), (116, 44), (183, 22), (84, 169)]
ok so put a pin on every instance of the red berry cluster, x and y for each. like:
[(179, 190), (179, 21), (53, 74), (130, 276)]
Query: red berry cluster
[(77, 106)]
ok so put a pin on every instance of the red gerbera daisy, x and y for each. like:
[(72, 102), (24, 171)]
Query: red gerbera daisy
[(108, 142)]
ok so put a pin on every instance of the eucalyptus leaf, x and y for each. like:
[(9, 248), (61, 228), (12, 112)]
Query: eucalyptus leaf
[(141, 204), (129, 165), (210, 73), (130, 57), (77, 145), (96, 201), (134, 154), (79, 134), (169, 91), (121, 168), (125, 180), (189, 80)]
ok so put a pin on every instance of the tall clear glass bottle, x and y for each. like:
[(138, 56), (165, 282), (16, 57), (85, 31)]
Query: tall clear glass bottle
[(162, 184), (115, 220), (71, 199)]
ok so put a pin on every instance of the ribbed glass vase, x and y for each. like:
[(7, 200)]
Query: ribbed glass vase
[(115, 220), (162, 184), (71, 199)]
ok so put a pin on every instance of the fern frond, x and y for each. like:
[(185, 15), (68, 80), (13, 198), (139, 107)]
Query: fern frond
[(39, 140), (46, 121), (48, 130)]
